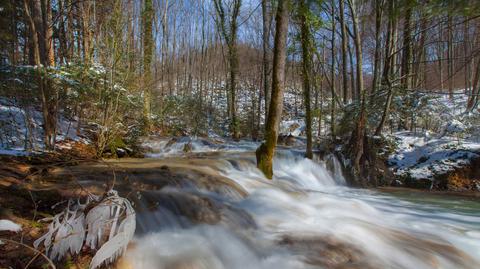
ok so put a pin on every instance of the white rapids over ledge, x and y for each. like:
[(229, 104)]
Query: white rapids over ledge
[(305, 200)]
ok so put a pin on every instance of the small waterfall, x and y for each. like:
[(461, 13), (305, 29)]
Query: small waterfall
[(305, 217), (335, 168)]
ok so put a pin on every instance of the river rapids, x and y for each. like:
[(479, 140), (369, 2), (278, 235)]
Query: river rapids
[(306, 217)]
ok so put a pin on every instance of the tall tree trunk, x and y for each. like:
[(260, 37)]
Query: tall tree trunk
[(473, 98), (352, 76), (387, 69), (378, 29), (306, 40), (358, 134), (266, 151), (148, 14), (48, 28), (450, 67), (420, 55), (229, 31), (85, 28), (265, 59), (233, 59), (36, 23), (344, 51), (440, 50), (407, 47), (332, 88)]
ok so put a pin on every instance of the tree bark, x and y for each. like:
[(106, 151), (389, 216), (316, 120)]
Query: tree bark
[(387, 70), (332, 71), (450, 68), (265, 59), (266, 150), (407, 47), (148, 14), (306, 40), (358, 134), (37, 21), (378, 26), (229, 32), (344, 51)]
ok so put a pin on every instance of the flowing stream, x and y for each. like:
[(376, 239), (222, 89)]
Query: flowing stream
[(306, 217)]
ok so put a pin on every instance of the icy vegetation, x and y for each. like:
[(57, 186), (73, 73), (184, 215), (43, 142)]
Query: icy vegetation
[(106, 225), (8, 225)]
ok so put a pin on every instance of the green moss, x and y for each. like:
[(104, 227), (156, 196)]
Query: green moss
[(115, 144)]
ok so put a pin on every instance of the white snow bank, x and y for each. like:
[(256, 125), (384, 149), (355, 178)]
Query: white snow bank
[(8, 225), (422, 157)]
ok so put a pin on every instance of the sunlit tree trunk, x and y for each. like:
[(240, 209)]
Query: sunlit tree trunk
[(266, 150), (332, 71), (148, 14), (37, 17), (344, 51), (265, 59)]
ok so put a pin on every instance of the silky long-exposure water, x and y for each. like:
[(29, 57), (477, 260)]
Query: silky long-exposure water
[(306, 217)]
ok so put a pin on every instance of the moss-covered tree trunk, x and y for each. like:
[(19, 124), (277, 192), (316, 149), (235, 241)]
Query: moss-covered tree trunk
[(306, 40), (147, 61), (266, 150)]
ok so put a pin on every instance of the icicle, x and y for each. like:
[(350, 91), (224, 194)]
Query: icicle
[(71, 229)]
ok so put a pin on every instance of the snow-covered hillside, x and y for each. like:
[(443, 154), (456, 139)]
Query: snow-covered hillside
[(450, 141), (423, 157), (21, 129)]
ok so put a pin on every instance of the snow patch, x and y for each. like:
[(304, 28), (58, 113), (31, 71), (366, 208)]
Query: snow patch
[(422, 157), (8, 225)]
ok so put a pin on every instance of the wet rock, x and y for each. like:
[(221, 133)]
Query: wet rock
[(194, 207), (326, 252)]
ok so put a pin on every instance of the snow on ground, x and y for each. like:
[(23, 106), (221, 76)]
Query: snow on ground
[(293, 127), (14, 134), (422, 157), (451, 139), (8, 225), (448, 115)]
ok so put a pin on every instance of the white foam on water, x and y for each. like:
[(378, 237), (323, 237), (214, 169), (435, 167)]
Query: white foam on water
[(306, 199)]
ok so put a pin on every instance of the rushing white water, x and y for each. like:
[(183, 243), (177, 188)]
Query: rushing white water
[(306, 217)]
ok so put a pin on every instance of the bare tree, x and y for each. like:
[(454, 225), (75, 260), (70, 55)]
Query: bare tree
[(228, 28)]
